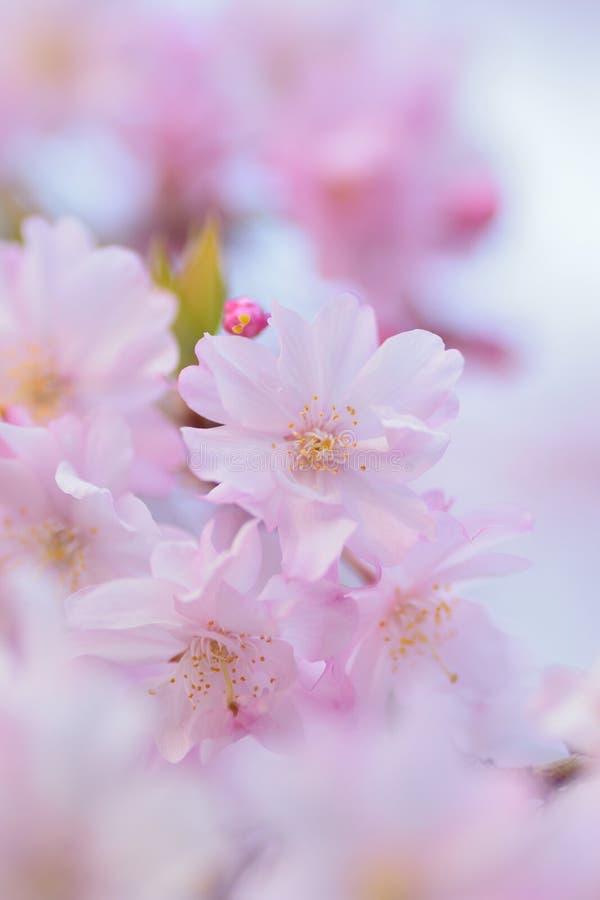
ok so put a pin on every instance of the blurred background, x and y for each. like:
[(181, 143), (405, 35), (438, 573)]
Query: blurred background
[(441, 160)]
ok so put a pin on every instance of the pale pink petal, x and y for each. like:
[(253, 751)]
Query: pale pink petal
[(391, 517), (146, 645), (70, 483), (231, 455), (497, 523), (174, 731), (35, 447), (125, 603), (317, 619), (484, 565), (323, 356), (414, 374), (281, 729), (414, 448), (243, 561), (198, 388), (22, 493), (175, 561), (420, 567), (312, 537), (245, 379)]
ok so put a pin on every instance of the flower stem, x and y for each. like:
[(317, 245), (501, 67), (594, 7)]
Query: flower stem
[(364, 571)]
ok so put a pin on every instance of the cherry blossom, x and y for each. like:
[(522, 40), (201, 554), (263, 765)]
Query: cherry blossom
[(245, 651), (223, 669), (355, 818), (66, 507), (82, 816), (420, 623), (81, 327), (321, 440)]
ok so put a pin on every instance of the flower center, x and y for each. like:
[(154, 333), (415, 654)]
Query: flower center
[(53, 545), (322, 440), (417, 627), (222, 666), (385, 881), (34, 382), (52, 55), (53, 878)]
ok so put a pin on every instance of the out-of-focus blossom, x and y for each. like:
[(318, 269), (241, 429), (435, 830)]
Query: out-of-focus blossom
[(374, 168), (57, 64), (414, 609), (81, 327), (321, 440), (178, 119), (82, 816), (558, 852), (66, 507), (351, 818), (244, 317), (417, 626), (145, 80)]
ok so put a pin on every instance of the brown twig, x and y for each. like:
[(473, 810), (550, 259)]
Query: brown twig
[(364, 572), (561, 772)]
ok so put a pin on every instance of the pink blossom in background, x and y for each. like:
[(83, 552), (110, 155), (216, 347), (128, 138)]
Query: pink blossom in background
[(82, 816), (321, 440), (177, 118), (66, 507), (375, 183), (421, 624), (57, 63), (83, 328), (414, 611), (350, 817), (375, 168)]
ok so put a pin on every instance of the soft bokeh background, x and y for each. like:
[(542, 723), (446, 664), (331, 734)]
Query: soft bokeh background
[(528, 99), (531, 434), (534, 437)]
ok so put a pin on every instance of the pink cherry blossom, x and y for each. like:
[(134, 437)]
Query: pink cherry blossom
[(56, 63), (177, 118), (66, 506), (81, 327), (418, 625), (244, 317), (357, 818), (223, 671), (372, 164), (82, 815), (321, 439)]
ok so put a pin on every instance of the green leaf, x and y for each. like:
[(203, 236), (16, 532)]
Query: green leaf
[(198, 285), (160, 266)]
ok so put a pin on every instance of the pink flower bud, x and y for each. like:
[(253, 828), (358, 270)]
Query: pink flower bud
[(471, 205), (244, 317)]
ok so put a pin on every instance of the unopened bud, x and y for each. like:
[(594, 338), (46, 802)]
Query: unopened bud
[(244, 317)]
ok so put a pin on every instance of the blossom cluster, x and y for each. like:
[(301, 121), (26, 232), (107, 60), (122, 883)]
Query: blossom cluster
[(143, 119), (246, 657)]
